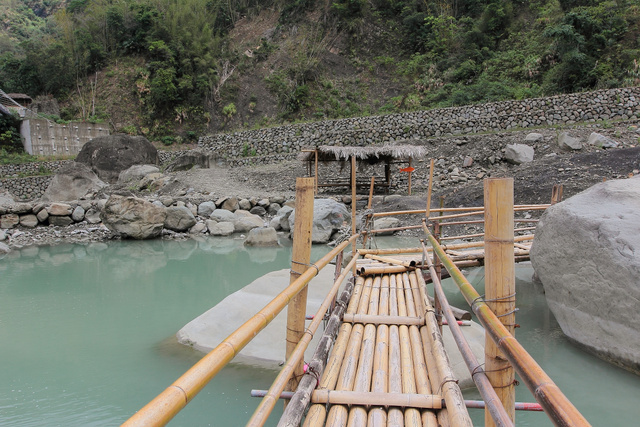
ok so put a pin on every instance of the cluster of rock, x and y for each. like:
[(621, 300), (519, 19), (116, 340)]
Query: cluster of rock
[(601, 105), (523, 153), (585, 253)]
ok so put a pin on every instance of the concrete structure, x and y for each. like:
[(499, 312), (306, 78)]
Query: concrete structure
[(46, 138)]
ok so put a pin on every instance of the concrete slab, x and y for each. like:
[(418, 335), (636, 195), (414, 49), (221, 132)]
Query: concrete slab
[(268, 348)]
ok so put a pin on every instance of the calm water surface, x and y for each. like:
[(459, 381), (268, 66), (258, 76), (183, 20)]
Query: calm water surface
[(87, 335)]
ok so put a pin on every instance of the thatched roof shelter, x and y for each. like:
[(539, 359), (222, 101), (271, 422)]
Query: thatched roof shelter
[(370, 154)]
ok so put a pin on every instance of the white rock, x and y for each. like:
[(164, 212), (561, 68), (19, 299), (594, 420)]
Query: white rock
[(585, 253)]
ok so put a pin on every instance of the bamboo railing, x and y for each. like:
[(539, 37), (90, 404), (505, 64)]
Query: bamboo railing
[(559, 409), (167, 404)]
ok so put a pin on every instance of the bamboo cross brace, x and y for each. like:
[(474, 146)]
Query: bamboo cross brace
[(383, 319), (404, 400)]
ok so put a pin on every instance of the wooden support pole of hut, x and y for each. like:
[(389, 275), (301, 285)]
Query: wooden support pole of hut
[(315, 186), (500, 285), (300, 259), (428, 211), (353, 206), (409, 177)]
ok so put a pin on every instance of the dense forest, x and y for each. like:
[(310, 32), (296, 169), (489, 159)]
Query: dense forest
[(172, 69)]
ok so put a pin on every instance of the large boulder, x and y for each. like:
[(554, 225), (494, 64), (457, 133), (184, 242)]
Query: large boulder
[(109, 155), (179, 218), (137, 172), (6, 201), (133, 217), (518, 153), (72, 182), (585, 253), (190, 159), (328, 216), (262, 236)]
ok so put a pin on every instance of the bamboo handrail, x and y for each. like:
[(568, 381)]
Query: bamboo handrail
[(464, 209), (559, 409), (267, 404), (167, 404), (495, 408)]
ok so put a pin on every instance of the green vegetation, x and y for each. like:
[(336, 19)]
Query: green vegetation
[(10, 139), (344, 58)]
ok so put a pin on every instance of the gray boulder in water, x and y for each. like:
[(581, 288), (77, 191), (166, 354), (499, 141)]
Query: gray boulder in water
[(109, 155), (133, 217), (586, 252), (328, 216), (72, 182)]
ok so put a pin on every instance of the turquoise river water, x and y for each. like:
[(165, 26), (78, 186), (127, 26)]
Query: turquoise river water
[(87, 335)]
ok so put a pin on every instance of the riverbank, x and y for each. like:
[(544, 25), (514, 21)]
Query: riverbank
[(462, 162)]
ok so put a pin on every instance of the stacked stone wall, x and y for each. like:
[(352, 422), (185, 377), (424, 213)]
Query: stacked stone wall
[(562, 110)]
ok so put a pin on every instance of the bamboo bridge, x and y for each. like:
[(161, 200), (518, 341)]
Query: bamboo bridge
[(381, 360)]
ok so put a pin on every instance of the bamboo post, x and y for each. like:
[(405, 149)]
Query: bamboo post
[(556, 193), (371, 187), (353, 207), (428, 211), (301, 257), (500, 285), (409, 177), (315, 185)]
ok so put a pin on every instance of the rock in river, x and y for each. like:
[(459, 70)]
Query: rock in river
[(586, 252), (133, 217)]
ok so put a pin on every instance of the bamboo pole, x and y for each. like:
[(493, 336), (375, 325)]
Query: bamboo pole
[(406, 400), (263, 410), (382, 269), (318, 413), (394, 261), (383, 319), (393, 229), (395, 416), (300, 260), (338, 415), (428, 210), (470, 404), (412, 416), (371, 187), (500, 285), (294, 412), (380, 379), (167, 404), (409, 177), (556, 193), (456, 410), (545, 391), (462, 209), (315, 186), (353, 207), (414, 307), (358, 414), (496, 410)]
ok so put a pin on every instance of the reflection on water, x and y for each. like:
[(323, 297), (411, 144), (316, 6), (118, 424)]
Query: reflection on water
[(88, 334)]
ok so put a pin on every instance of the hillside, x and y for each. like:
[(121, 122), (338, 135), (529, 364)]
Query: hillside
[(174, 70)]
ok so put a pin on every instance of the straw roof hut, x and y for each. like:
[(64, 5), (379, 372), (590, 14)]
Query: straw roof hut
[(371, 155)]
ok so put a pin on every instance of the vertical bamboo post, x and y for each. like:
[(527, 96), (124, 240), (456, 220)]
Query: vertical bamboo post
[(428, 211), (296, 311), (373, 183), (315, 185), (409, 175), (556, 193), (353, 207), (500, 288)]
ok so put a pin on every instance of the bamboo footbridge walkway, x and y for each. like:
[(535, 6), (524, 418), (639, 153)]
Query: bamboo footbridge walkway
[(381, 360)]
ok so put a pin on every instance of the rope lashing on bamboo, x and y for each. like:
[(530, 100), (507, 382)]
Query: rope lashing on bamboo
[(306, 265), (504, 299)]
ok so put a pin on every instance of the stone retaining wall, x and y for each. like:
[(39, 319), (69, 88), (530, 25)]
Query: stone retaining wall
[(28, 188), (560, 110)]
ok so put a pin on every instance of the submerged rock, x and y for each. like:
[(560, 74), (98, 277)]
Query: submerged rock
[(585, 253)]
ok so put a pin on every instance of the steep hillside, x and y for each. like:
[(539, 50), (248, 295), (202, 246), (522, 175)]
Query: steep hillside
[(172, 70)]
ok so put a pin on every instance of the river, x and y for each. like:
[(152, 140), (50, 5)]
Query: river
[(88, 335)]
